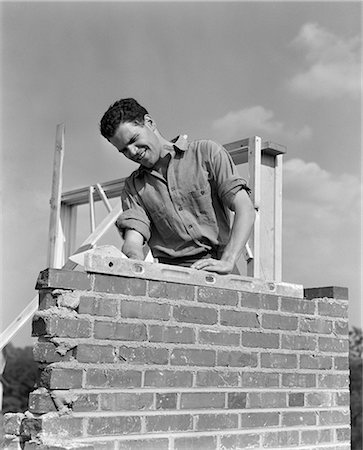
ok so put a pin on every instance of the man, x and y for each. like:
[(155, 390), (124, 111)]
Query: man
[(178, 200)]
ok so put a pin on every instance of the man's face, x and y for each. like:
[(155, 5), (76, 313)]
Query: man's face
[(138, 142)]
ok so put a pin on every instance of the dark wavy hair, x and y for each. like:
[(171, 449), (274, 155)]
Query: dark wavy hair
[(124, 110)]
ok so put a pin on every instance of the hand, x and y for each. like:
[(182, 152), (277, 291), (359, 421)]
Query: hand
[(213, 265)]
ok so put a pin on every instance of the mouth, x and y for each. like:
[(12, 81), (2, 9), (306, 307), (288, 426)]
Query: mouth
[(140, 155)]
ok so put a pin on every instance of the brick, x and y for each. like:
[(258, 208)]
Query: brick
[(260, 379), (166, 401), (68, 299), (234, 358), (192, 357), (278, 322), (117, 401), (298, 380), (120, 331), (179, 335), (266, 400), (297, 305), (144, 444), (13, 423), (338, 381), (268, 301), (316, 362), (281, 439), (144, 355), (64, 279), (40, 402), (218, 337), (341, 363), (313, 437), (341, 327), (296, 399), (48, 426), (145, 310), (210, 378), (240, 441), (195, 443), (168, 378), (101, 426), (319, 399), (217, 296), (251, 300), (84, 402), (278, 360), (260, 420), (334, 417), (329, 291), (105, 378), (98, 306), (46, 299), (47, 325), (198, 400), (61, 378), (90, 353), (342, 434), (313, 325), (342, 398), (47, 352), (257, 339), (206, 422), (176, 422), (333, 345), (236, 400), (171, 291), (296, 342), (195, 314), (333, 308), (293, 419), (239, 319), (119, 285)]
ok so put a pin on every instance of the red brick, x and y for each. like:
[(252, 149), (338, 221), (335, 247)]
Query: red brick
[(333, 308), (251, 300), (198, 400), (168, 378), (341, 327), (342, 398), (120, 331), (218, 337), (240, 441), (333, 381), (236, 359), (295, 342), (84, 402), (145, 310), (119, 285), (260, 420), (47, 299), (279, 322), (266, 400), (216, 422), (315, 362), (13, 423), (239, 319), (47, 325), (313, 325), (278, 360), (341, 417), (175, 422), (195, 314), (312, 437), (171, 291), (61, 378), (46, 352), (297, 305), (343, 434), (120, 378), (210, 378), (195, 443), (101, 426), (192, 357), (64, 279), (118, 401), (166, 401), (318, 399), (268, 301), (40, 402), (90, 353), (281, 439), (260, 379), (293, 419), (179, 335), (144, 355), (98, 306), (329, 291), (333, 345), (217, 296), (143, 444), (296, 399), (257, 339), (236, 400), (298, 380), (54, 425)]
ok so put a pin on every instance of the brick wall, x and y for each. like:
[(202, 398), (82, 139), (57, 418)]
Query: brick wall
[(143, 356)]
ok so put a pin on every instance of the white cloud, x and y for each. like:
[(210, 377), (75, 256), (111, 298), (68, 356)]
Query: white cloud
[(256, 120), (333, 66)]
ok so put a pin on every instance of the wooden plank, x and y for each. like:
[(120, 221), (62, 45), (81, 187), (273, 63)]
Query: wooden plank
[(69, 224), (103, 196), (91, 208), (278, 219), (55, 201)]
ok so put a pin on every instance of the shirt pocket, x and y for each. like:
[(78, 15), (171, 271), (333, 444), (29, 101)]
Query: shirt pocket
[(201, 204), (161, 222)]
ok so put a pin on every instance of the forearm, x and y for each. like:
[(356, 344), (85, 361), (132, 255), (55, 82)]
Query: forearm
[(133, 245)]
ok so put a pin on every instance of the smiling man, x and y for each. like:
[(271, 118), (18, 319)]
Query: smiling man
[(179, 199)]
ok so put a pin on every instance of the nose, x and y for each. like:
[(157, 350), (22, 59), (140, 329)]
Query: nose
[(131, 151)]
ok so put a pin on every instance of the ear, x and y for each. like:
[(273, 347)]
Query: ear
[(149, 122)]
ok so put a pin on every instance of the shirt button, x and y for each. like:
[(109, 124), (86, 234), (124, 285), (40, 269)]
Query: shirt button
[(180, 208), (202, 192), (190, 226), (173, 188)]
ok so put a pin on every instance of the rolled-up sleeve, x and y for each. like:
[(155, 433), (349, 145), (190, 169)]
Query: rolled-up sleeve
[(134, 216)]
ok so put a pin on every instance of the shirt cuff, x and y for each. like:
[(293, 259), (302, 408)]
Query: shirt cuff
[(229, 189), (125, 221)]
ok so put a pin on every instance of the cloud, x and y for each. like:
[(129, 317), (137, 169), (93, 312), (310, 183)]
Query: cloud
[(333, 67), (256, 120)]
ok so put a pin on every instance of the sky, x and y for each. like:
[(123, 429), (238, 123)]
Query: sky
[(289, 72)]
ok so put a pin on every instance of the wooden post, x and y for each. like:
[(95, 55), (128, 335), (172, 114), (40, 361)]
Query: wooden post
[(91, 208), (69, 224), (56, 238)]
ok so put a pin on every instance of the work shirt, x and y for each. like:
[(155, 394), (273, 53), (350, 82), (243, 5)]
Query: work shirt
[(186, 215)]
